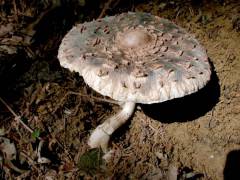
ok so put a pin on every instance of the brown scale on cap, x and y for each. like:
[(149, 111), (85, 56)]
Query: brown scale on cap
[(175, 42), (195, 58), (161, 83), (190, 76), (139, 72), (96, 41), (164, 48), (102, 72), (180, 53), (83, 28), (123, 83), (97, 29), (137, 85), (156, 66), (189, 65)]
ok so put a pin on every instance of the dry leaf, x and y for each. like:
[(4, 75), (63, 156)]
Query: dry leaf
[(8, 149)]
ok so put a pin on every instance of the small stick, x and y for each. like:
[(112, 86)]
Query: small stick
[(106, 6), (17, 118), (85, 95), (29, 159), (93, 97)]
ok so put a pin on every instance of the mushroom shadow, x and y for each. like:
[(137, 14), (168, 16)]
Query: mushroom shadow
[(232, 166), (186, 108)]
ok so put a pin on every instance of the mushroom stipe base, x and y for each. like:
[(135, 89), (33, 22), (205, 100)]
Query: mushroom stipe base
[(101, 135)]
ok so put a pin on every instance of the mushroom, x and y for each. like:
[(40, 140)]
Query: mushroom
[(134, 58)]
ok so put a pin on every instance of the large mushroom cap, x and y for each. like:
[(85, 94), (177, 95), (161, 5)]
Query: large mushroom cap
[(136, 57)]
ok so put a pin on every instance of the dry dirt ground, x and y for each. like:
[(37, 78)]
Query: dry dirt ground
[(196, 137)]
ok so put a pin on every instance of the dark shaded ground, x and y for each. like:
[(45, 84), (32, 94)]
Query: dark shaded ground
[(194, 137)]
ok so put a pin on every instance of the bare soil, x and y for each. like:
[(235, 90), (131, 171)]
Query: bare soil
[(195, 137)]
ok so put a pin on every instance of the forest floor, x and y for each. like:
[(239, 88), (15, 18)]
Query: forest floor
[(196, 137)]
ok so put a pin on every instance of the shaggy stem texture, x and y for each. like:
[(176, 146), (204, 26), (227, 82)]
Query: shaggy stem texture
[(101, 135)]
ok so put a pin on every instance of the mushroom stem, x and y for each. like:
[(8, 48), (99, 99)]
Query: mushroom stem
[(101, 135)]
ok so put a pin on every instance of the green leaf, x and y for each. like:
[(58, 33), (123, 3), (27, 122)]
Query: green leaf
[(36, 134)]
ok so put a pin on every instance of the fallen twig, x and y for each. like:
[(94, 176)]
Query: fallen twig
[(106, 6), (84, 95), (29, 159), (18, 118), (93, 97)]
